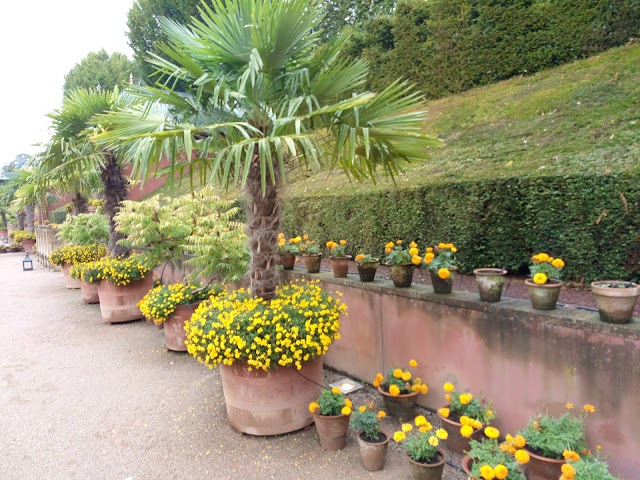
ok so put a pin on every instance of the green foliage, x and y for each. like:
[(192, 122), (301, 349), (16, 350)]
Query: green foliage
[(354, 13), (99, 70), (473, 408), (592, 468), (550, 436), (488, 452), (367, 422), (84, 229), (331, 402), (160, 302), (441, 256), (398, 253)]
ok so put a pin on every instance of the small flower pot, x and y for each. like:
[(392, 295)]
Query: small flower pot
[(401, 406), (287, 260), (441, 286), (428, 471), (543, 468), (340, 266), (402, 275), (332, 430), (367, 271), (373, 454), (455, 441), (89, 292), (312, 262), (615, 299), (175, 335), (69, 281), (27, 245), (545, 296), (490, 282)]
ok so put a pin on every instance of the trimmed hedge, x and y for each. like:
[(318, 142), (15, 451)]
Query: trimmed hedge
[(591, 221)]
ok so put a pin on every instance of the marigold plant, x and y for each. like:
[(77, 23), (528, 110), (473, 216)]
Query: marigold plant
[(288, 246), (159, 303), (76, 254), (543, 267), (336, 249), (397, 253), (466, 409), (441, 259), (491, 461), (367, 421), (420, 442), (366, 260), (19, 235), (118, 271), (308, 246), (299, 324), (586, 467), (330, 403), (400, 381)]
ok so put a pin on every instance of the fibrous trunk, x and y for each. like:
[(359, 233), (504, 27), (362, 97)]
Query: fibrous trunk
[(263, 222), (30, 214), (115, 191), (80, 203), (20, 217), (3, 216)]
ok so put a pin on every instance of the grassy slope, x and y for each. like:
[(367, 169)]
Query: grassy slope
[(579, 118)]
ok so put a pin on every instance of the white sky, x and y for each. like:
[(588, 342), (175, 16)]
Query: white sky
[(40, 41)]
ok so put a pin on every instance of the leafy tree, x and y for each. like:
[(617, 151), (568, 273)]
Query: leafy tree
[(259, 94), (99, 70), (353, 13)]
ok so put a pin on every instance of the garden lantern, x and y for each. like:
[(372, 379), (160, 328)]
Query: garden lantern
[(27, 263)]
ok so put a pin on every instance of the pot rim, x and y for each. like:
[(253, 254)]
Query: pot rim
[(453, 422), (554, 283), (384, 432), (490, 271), (598, 289), (401, 395), (345, 257), (310, 254), (340, 415), (545, 459), (442, 453), (399, 264)]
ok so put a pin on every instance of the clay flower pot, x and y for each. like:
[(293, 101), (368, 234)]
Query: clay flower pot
[(89, 292), (69, 281), (402, 275), (174, 332), (401, 406), (455, 441), (120, 304), (340, 266), (428, 471), (287, 260), (27, 245), (312, 262), (545, 296), (367, 271), (543, 468), (373, 453), (332, 430), (615, 299), (490, 282), (441, 286), (467, 463)]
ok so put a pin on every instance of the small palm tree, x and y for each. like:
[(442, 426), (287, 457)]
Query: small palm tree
[(263, 95)]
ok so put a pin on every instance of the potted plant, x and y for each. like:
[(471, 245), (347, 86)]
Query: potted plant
[(550, 439), (372, 442), (463, 417), (122, 282), (367, 266), (267, 349), (339, 258), (421, 444), (545, 284), (84, 229), (172, 306), (25, 238), (440, 262), (402, 261), (400, 390), (615, 299), (488, 459), (311, 254), (69, 255), (490, 282), (3, 249), (331, 412), (95, 204), (585, 467), (288, 250), (88, 291)]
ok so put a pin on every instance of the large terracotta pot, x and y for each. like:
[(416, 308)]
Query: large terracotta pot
[(332, 430), (27, 245), (312, 262), (367, 271), (543, 468), (373, 454), (545, 296), (120, 304), (402, 275), (288, 261), (490, 282), (615, 299), (340, 266), (89, 292), (174, 333), (272, 402), (455, 441), (401, 406), (441, 286), (69, 281), (428, 471)]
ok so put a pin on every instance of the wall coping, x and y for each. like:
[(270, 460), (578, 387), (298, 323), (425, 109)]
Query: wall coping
[(563, 316)]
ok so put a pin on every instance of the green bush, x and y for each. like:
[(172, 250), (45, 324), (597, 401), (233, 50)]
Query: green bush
[(589, 221)]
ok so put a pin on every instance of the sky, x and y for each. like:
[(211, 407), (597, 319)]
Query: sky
[(40, 42)]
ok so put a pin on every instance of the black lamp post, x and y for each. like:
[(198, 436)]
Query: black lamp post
[(27, 263)]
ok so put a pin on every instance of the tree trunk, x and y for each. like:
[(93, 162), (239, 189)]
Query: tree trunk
[(79, 203), (115, 191), (44, 212), (30, 216), (20, 217), (263, 222), (3, 216)]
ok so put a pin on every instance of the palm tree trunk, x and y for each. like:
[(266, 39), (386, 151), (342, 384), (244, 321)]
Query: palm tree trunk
[(20, 217), (3, 216), (115, 191), (263, 222), (30, 216), (80, 203)]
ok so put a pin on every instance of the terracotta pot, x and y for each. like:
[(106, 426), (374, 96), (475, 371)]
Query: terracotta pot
[(272, 402), (312, 262), (545, 296), (367, 271), (287, 260), (89, 292), (490, 282), (91, 209), (467, 463), (615, 299), (120, 304), (455, 441), (174, 333), (401, 406), (373, 454), (332, 430), (340, 266), (69, 281), (428, 471), (441, 286), (27, 245), (402, 275), (543, 468)]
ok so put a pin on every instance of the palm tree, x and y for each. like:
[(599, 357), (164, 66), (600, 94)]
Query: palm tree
[(262, 94)]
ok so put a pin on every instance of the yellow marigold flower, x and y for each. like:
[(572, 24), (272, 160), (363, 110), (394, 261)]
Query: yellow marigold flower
[(568, 471), (343, 242), (433, 441), (388, 250), (416, 388), (571, 456), (416, 260), (505, 446), (466, 398), (304, 237), (420, 420), (414, 251), (569, 406), (362, 408), (348, 403), (477, 424), (501, 471), (558, 263), (390, 245), (444, 412), (448, 387), (464, 420), (429, 249), (398, 242), (491, 432), (589, 408), (543, 257), (444, 273), (382, 414), (379, 377), (345, 410), (336, 391), (376, 383), (540, 278), (442, 245), (442, 434), (413, 245), (454, 249), (428, 258), (427, 427), (466, 431), (486, 471), (359, 257), (520, 441), (394, 390), (298, 239), (447, 397), (329, 244), (424, 389), (522, 456), (313, 406), (397, 373), (417, 381), (407, 427), (413, 363), (406, 376), (399, 437)]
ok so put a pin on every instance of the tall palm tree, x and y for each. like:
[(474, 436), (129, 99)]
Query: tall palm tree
[(263, 94)]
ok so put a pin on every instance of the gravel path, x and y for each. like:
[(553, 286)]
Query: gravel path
[(81, 399)]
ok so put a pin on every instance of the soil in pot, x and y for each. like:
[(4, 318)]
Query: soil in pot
[(373, 452), (615, 299), (400, 406), (428, 471), (332, 430), (490, 283)]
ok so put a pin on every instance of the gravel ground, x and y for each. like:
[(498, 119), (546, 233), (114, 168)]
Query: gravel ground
[(82, 399)]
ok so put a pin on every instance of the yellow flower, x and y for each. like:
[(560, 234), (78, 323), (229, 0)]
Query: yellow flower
[(520, 441), (416, 260), (413, 363), (343, 242), (376, 383), (433, 441), (464, 420), (442, 434), (388, 250), (486, 471), (569, 405), (447, 397), (466, 431), (382, 414), (477, 424), (429, 249), (359, 257), (589, 408), (390, 245), (454, 249), (379, 377), (466, 398), (394, 390), (542, 257), (522, 456), (413, 251), (571, 456), (558, 263), (501, 471), (345, 410), (336, 391), (448, 387), (491, 432), (420, 420), (398, 242), (568, 471), (442, 245), (362, 408), (540, 278), (427, 427), (413, 245), (397, 373), (313, 406), (348, 403), (399, 436), (406, 376), (444, 273), (424, 389), (407, 427), (444, 412)]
